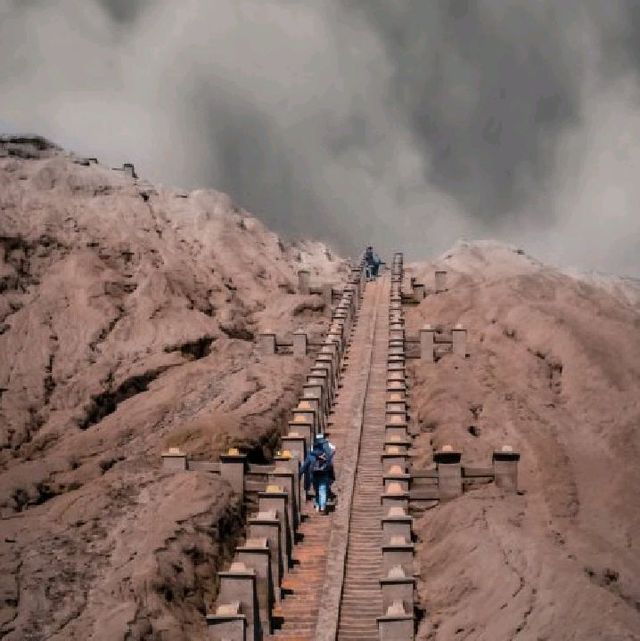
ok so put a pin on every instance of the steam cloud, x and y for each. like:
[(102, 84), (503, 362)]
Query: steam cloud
[(403, 124)]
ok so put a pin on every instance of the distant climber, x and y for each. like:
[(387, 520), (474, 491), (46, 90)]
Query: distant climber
[(372, 262), (319, 466)]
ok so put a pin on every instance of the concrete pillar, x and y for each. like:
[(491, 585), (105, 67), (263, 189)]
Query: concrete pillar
[(317, 392), (129, 170), (254, 554), (505, 468), (394, 496), (396, 408), (400, 431), (304, 427), (174, 460), (459, 336), (397, 586), (232, 468), (449, 473), (326, 360), (396, 366), (427, 344), (305, 412), (286, 479), (318, 382), (315, 402), (267, 343), (227, 624), (441, 281), (396, 522), (320, 373), (300, 343), (398, 551), (394, 385), (397, 475), (394, 456), (396, 624), (304, 282), (296, 445), (401, 443), (327, 295), (238, 584), (275, 499), (267, 525)]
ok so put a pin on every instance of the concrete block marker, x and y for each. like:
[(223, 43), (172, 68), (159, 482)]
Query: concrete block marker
[(300, 343), (459, 339), (397, 586), (427, 343), (266, 525), (327, 295), (396, 385), (449, 472), (393, 456), (396, 474), (267, 343), (398, 431), (394, 496), (317, 392), (255, 555), (396, 523), (275, 499), (304, 282), (397, 624), (398, 551), (505, 468), (129, 170), (304, 427), (174, 460), (288, 481), (232, 469), (228, 623), (238, 585)]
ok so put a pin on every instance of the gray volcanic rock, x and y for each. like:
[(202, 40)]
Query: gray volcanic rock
[(553, 371), (127, 318)]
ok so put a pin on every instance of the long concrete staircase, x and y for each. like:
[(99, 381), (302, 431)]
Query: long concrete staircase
[(347, 575), (304, 586)]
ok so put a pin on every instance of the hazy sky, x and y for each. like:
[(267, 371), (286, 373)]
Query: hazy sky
[(404, 123)]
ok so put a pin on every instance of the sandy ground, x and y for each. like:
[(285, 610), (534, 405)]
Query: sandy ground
[(554, 371), (127, 318)]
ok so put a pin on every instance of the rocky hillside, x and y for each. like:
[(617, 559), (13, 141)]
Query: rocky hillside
[(554, 371), (127, 318)]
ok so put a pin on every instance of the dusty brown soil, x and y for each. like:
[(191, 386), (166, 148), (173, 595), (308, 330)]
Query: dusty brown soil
[(554, 371), (127, 318)]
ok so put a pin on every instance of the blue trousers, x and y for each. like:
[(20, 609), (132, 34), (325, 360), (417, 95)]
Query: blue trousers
[(321, 488)]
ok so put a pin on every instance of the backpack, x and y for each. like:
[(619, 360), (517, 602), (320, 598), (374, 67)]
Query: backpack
[(320, 464)]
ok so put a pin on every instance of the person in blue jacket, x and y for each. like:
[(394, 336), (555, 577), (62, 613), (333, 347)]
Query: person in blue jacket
[(319, 465), (372, 261)]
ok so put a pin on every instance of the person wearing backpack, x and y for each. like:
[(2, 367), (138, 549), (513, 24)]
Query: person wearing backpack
[(319, 464)]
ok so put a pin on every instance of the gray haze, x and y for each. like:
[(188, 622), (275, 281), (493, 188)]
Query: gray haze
[(405, 123)]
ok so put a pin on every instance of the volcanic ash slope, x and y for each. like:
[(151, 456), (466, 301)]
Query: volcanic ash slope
[(553, 371), (127, 314)]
